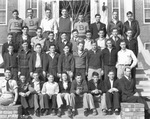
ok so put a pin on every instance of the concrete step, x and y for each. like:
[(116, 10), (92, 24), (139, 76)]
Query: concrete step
[(143, 88), (143, 83), (145, 93)]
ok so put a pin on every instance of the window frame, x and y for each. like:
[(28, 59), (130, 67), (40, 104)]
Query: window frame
[(117, 8), (6, 9), (33, 8), (144, 13)]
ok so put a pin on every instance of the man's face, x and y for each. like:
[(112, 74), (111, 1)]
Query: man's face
[(63, 36), (79, 79), (51, 36), (75, 34), (94, 46), (38, 49), (66, 49), (64, 12), (109, 44), (129, 34), (15, 15), (95, 79), (115, 15), (123, 45), (98, 18), (10, 49), (51, 78), (52, 49), (30, 13), (7, 74), (64, 77), (25, 31), (127, 72), (111, 75), (130, 17), (80, 46), (36, 76), (25, 45), (48, 13), (22, 79), (88, 35), (115, 32), (80, 17), (101, 34), (39, 32), (9, 38)]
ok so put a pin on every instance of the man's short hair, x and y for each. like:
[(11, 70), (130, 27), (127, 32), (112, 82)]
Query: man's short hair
[(30, 9), (15, 10), (95, 74), (25, 27), (78, 74), (111, 71), (52, 45), (129, 12), (97, 15), (93, 41), (87, 31), (74, 30), (50, 32), (127, 68), (38, 44), (38, 28), (47, 9), (9, 34)]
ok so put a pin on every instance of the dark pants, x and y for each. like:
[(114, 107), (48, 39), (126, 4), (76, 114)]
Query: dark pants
[(36, 101), (40, 72), (133, 72), (137, 99), (32, 34), (15, 35), (107, 69), (53, 71), (25, 72), (113, 100), (46, 98), (14, 72), (82, 71), (24, 102)]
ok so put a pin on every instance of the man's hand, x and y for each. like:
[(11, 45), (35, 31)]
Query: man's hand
[(19, 73), (28, 93), (12, 104), (77, 91), (31, 74), (44, 73), (115, 89), (110, 90)]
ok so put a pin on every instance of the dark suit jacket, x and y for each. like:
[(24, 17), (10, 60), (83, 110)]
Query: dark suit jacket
[(33, 61), (116, 44), (108, 85), (5, 50), (10, 61), (127, 88), (100, 86), (134, 26), (61, 88), (132, 45), (94, 30)]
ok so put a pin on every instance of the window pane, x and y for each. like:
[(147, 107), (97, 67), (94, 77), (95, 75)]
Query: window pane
[(35, 12), (2, 17), (147, 3), (115, 3), (2, 4), (147, 13), (34, 4)]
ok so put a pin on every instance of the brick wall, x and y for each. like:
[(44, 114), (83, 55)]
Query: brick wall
[(10, 112), (145, 28)]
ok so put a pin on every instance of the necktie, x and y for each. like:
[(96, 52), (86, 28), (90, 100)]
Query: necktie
[(7, 85)]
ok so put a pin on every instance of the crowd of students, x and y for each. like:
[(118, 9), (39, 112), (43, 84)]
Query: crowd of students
[(46, 63)]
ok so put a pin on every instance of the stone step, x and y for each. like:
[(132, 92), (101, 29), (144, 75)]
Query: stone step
[(145, 93), (143, 88), (143, 83)]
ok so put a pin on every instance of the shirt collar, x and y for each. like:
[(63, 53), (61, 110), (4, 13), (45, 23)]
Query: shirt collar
[(34, 81)]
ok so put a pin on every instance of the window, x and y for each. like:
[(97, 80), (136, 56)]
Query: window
[(34, 5), (116, 7), (146, 11), (3, 12)]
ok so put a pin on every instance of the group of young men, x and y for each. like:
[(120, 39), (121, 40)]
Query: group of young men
[(48, 61)]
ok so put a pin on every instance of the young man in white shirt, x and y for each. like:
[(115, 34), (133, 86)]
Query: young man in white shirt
[(126, 58)]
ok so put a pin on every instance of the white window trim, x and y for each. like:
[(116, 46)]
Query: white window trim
[(36, 6), (144, 14), (118, 8), (6, 13)]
